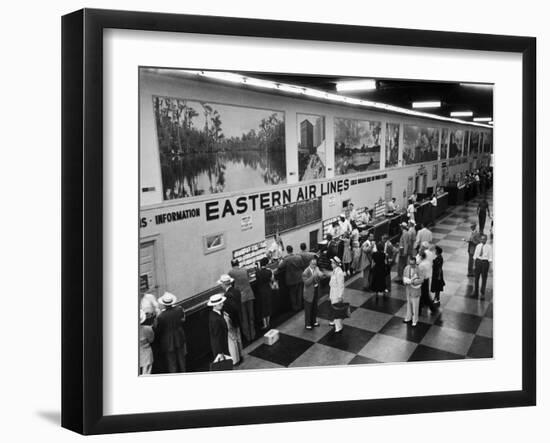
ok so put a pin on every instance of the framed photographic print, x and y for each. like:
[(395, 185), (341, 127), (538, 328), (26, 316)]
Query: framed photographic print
[(248, 204)]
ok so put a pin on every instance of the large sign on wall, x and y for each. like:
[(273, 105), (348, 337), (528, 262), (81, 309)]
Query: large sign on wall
[(207, 148), (420, 144), (356, 145)]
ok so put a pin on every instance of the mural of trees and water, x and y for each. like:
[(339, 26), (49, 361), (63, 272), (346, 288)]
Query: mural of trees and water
[(356, 145), (420, 144), (474, 142), (392, 144), (312, 147), (444, 143), (208, 148), (487, 142), (456, 140)]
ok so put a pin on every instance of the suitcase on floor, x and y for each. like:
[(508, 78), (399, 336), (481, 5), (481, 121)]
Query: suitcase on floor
[(271, 337)]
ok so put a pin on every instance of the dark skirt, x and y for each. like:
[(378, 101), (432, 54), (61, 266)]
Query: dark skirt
[(378, 279), (437, 285)]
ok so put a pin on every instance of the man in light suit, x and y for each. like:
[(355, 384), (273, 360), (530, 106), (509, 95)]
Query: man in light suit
[(292, 265), (311, 278)]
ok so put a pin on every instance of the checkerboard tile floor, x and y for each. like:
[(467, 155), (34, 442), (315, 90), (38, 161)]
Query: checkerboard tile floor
[(375, 332)]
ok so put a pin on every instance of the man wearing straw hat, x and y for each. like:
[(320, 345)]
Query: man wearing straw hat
[(217, 327), (170, 334)]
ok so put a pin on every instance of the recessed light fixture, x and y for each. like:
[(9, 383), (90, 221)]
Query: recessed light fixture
[(482, 119), (462, 114), (432, 104), (356, 85)]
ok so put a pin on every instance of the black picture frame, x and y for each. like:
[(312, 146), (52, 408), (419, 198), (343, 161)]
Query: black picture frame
[(82, 219)]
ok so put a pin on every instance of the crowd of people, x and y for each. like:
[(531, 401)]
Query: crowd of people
[(307, 277)]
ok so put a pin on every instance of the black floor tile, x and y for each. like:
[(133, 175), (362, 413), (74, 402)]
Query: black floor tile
[(450, 221), (482, 347), (489, 311), (360, 360), (387, 305), (350, 339), (458, 320), (405, 331), (357, 284), (284, 351), (325, 310), (426, 353)]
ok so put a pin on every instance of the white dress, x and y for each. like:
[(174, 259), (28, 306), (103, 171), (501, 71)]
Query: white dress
[(336, 284), (411, 211), (234, 342)]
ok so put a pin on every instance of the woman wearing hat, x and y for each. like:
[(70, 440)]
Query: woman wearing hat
[(264, 280), (232, 315), (146, 337), (217, 327), (170, 334), (336, 293), (149, 305)]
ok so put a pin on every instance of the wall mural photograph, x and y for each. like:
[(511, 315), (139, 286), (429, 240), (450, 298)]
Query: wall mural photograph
[(456, 139), (207, 148), (312, 147), (356, 145), (474, 142), (444, 143), (487, 142), (392, 144), (420, 144)]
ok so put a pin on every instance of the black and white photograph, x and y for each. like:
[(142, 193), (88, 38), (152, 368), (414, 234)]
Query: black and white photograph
[(260, 249)]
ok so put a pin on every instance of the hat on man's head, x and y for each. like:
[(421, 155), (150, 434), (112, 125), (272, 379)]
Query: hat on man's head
[(168, 299), (404, 225), (216, 299), (226, 279), (142, 316)]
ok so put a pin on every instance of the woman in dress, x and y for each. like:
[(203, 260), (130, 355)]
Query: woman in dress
[(379, 270), (346, 255), (336, 294), (438, 282), (264, 280), (146, 337), (150, 306), (410, 211), (355, 248)]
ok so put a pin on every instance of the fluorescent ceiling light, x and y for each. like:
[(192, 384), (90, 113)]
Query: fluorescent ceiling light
[(299, 90), (462, 114), (477, 85), (426, 104), (356, 85), (482, 119)]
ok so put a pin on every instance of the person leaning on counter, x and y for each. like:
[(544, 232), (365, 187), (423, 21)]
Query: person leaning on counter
[(292, 264)]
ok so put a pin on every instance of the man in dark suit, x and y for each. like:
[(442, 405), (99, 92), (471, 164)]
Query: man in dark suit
[(292, 265), (311, 278), (170, 335), (306, 255), (217, 327)]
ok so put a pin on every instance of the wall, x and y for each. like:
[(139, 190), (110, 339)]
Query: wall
[(187, 269)]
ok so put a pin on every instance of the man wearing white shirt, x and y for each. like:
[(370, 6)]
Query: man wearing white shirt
[(483, 257), (424, 235), (345, 226), (433, 208)]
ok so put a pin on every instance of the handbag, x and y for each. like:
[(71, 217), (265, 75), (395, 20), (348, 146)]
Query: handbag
[(223, 364), (341, 310)]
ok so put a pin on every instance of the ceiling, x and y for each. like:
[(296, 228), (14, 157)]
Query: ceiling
[(453, 96)]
